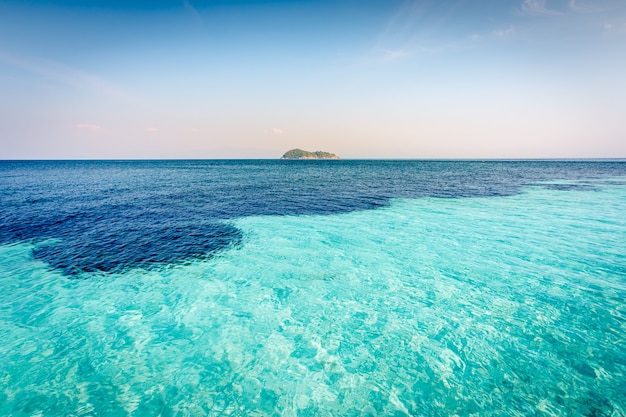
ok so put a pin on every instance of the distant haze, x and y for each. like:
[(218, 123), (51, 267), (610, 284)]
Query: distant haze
[(362, 79)]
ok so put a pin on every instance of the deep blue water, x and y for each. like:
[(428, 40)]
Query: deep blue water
[(112, 215)]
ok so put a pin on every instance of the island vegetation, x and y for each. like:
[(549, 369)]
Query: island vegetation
[(301, 154)]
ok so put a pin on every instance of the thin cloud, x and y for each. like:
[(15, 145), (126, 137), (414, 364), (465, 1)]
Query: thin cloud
[(580, 7), (400, 32), (152, 129), (277, 131), (394, 55), (538, 8), (595, 6), (503, 33), (614, 28), (71, 77), (402, 24), (194, 12), (411, 30), (88, 127)]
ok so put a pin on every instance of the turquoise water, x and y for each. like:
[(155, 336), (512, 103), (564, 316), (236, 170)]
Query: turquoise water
[(499, 305)]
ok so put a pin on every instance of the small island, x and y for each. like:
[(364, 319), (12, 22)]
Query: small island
[(300, 154)]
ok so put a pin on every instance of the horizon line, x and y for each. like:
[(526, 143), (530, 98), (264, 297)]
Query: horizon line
[(582, 159)]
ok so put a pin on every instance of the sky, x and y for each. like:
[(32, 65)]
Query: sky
[(210, 79)]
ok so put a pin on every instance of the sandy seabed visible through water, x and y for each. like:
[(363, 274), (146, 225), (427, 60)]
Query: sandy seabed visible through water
[(485, 306)]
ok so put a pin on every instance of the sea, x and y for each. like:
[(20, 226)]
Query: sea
[(313, 288)]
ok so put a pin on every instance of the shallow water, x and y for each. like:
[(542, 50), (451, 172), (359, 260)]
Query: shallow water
[(510, 305)]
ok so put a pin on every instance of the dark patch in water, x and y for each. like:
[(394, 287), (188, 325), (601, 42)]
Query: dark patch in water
[(571, 187), (110, 215), (120, 247)]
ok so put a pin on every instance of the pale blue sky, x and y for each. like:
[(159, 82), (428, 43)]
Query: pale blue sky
[(367, 79)]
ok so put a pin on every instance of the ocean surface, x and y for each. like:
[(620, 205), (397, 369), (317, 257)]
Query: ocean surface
[(312, 288)]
